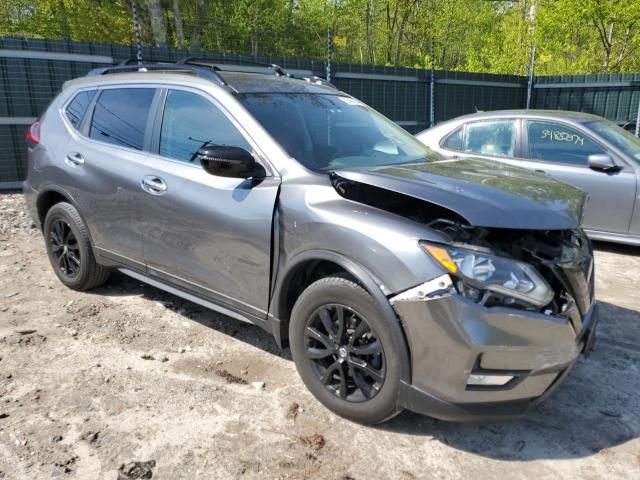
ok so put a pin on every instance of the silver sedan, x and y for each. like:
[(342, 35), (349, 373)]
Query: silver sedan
[(587, 151)]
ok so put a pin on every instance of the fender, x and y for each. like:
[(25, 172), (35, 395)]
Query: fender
[(373, 285), (69, 198)]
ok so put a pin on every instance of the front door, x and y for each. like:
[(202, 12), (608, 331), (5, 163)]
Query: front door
[(561, 151), (208, 234)]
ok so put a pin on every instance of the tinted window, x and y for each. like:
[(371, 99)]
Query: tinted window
[(496, 138), (120, 116), (190, 122), (454, 140), (325, 132), (78, 107), (554, 142)]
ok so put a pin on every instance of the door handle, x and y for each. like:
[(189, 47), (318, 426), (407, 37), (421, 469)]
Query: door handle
[(541, 171), (153, 185), (74, 159)]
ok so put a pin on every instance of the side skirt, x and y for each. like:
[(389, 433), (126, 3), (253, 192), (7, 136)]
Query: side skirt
[(187, 296)]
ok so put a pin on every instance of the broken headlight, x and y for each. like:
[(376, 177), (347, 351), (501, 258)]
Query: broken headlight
[(480, 271)]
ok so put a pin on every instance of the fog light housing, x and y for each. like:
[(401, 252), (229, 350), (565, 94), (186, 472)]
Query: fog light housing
[(477, 380)]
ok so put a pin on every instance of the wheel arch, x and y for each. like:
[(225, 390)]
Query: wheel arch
[(334, 263), (51, 195)]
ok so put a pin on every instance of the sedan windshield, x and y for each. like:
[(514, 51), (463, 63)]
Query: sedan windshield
[(327, 132), (619, 137)]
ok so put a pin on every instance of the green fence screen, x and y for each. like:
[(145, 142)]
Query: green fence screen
[(32, 71)]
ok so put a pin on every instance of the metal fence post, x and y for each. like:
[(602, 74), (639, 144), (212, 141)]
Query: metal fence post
[(638, 117), (329, 52), (136, 29), (432, 89), (531, 70)]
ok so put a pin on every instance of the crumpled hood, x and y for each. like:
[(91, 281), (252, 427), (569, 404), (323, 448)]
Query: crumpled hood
[(486, 194)]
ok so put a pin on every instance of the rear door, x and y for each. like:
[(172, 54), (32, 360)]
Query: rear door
[(561, 150), (208, 234), (104, 160)]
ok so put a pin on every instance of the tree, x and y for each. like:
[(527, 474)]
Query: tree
[(158, 25), (177, 17), (571, 36)]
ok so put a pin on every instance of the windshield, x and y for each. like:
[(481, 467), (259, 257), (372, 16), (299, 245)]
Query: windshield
[(327, 132), (619, 137)]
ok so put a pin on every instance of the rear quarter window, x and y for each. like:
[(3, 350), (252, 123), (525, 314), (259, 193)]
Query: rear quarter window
[(454, 140), (77, 108)]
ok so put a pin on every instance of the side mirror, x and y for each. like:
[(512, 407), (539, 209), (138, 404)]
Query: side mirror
[(602, 162), (225, 161)]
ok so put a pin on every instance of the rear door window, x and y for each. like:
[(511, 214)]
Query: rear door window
[(558, 143), (120, 116), (77, 108), (495, 138)]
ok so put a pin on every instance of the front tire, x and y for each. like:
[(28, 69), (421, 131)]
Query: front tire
[(345, 352), (69, 249)]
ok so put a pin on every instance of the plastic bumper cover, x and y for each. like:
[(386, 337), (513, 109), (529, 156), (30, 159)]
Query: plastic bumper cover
[(450, 337)]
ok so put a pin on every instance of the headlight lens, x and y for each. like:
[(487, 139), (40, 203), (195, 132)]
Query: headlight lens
[(484, 271)]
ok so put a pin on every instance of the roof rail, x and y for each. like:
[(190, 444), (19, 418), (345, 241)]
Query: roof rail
[(162, 67), (135, 61), (203, 68), (204, 62)]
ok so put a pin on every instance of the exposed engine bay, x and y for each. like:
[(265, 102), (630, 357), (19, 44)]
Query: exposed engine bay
[(561, 257)]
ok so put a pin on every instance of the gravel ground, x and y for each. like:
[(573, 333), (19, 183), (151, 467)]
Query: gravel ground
[(127, 381)]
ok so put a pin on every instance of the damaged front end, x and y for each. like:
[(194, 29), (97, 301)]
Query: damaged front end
[(544, 271), (508, 315), (505, 324)]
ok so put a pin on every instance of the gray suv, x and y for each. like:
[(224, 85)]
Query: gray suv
[(460, 289)]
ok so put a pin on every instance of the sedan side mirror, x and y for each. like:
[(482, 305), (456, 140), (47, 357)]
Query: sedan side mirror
[(225, 161), (602, 162)]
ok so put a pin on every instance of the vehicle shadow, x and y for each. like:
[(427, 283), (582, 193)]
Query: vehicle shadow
[(123, 285), (595, 409)]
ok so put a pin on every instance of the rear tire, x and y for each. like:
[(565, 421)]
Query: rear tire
[(353, 369), (69, 249)]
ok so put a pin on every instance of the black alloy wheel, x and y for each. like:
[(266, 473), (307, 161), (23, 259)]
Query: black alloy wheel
[(69, 248), (345, 353), (65, 248)]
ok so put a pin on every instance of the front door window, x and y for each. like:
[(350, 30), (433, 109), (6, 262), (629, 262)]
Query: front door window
[(557, 143)]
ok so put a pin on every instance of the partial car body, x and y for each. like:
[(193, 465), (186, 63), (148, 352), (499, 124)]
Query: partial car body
[(584, 150), (461, 289)]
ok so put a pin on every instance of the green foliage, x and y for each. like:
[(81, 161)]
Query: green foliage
[(570, 36)]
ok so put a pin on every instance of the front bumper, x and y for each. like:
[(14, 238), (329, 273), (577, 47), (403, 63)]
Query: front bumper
[(450, 337)]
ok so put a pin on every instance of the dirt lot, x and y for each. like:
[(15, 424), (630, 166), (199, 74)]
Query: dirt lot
[(92, 382)]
